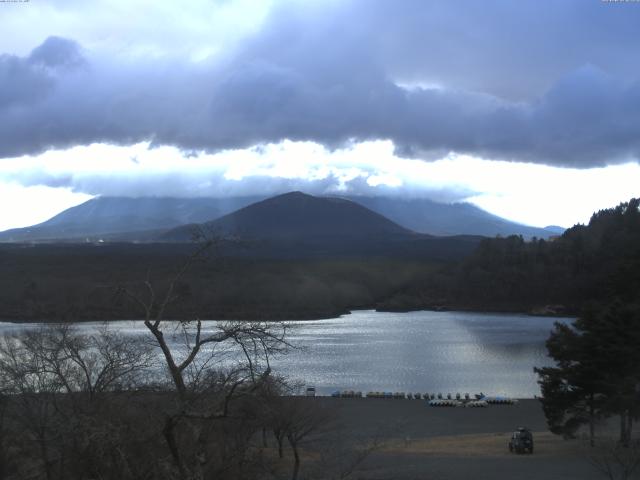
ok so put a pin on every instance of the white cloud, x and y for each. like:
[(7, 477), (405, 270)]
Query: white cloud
[(24, 206), (529, 193), (541, 196)]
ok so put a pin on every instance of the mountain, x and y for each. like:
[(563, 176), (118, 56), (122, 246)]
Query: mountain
[(555, 229), (300, 225), (142, 219), (426, 216), (298, 215), (123, 218)]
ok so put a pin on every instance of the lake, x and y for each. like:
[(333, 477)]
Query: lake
[(412, 352)]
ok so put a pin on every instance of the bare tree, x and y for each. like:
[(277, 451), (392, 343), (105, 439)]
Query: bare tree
[(88, 403), (53, 378), (303, 420), (89, 363), (26, 381), (217, 363)]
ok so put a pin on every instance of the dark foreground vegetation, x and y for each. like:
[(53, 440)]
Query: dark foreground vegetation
[(101, 405), (597, 373), (596, 379), (107, 406)]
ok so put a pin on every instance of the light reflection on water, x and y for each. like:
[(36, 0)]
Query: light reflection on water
[(422, 351), (412, 352)]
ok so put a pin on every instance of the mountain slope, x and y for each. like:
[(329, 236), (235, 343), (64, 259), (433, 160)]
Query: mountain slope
[(107, 216), (426, 216), (297, 215), (142, 219), (296, 225)]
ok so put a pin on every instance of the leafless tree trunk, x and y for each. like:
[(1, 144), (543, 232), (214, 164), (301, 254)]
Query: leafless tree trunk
[(302, 422), (189, 364), (591, 421), (293, 441)]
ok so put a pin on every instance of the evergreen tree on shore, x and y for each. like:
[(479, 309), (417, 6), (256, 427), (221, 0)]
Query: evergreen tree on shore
[(597, 373)]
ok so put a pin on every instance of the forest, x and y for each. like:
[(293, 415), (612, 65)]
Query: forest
[(587, 264)]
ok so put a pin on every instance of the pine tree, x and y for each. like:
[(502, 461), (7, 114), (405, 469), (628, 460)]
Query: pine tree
[(597, 372)]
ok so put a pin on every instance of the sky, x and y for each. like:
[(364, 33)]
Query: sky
[(528, 109)]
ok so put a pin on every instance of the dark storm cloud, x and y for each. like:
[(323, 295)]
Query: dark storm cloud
[(27, 80), (57, 52), (554, 82), (514, 50)]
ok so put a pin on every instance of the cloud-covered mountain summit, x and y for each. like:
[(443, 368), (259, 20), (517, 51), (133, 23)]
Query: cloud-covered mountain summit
[(147, 218)]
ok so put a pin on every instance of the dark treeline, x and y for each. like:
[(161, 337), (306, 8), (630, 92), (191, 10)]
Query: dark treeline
[(587, 264), (79, 282)]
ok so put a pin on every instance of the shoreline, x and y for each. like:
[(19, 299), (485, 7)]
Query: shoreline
[(417, 441), (311, 318)]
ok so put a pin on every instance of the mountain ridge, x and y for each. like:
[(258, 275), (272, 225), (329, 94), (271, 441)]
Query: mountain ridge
[(296, 215), (297, 225), (427, 216), (119, 218), (109, 216)]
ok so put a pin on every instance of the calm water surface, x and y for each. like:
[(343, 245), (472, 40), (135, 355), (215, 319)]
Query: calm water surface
[(412, 352)]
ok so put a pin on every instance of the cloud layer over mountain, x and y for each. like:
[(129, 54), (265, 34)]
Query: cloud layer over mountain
[(555, 83)]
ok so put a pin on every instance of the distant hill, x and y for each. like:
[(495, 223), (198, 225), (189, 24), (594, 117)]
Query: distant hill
[(555, 229), (426, 216), (300, 225), (142, 219), (298, 215), (121, 217)]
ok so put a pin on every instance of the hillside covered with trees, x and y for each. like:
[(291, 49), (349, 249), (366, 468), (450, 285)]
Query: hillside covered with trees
[(588, 263)]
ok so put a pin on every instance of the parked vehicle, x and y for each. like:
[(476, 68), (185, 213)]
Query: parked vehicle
[(310, 392), (521, 441)]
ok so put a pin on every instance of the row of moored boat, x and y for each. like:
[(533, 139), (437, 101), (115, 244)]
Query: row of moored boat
[(435, 399)]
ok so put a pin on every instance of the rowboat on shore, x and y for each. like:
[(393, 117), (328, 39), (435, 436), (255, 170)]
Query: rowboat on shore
[(445, 403), (476, 404), (498, 400)]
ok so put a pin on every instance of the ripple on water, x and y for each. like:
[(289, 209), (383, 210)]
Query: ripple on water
[(414, 351)]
